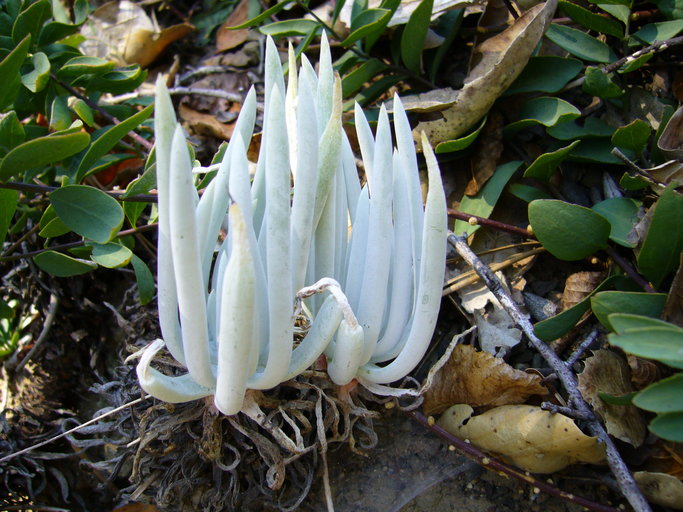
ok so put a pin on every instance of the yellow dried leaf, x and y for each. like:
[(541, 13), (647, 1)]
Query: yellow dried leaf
[(498, 62), (479, 379), (660, 488), (526, 436), (607, 372)]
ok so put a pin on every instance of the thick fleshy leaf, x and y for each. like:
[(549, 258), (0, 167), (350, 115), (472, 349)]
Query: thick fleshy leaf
[(661, 31), (600, 84), (568, 231), (527, 192), (11, 132), (88, 211), (661, 250), (30, 20), (640, 303), (622, 214), (79, 66), (461, 143), (62, 265), (591, 127), (622, 322)]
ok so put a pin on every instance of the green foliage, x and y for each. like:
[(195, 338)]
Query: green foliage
[(568, 231), (12, 326), (53, 130)]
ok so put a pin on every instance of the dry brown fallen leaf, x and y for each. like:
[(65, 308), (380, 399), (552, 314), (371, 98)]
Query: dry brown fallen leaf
[(205, 124), (660, 488), (487, 151), (227, 39), (668, 172), (496, 64), (479, 379), (122, 31), (136, 507), (528, 437), (578, 286), (671, 140), (607, 372)]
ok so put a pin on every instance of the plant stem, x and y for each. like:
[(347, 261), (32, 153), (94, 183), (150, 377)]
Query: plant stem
[(45, 189), (493, 464), (71, 245), (627, 484), (482, 221), (630, 271), (137, 138)]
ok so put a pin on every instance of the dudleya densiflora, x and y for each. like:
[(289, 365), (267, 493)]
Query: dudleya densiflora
[(366, 263)]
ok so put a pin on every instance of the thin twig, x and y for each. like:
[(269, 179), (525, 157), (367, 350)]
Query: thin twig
[(567, 411), (581, 349), (71, 245), (655, 47), (137, 138), (635, 168), (75, 429), (21, 240), (49, 319), (119, 195), (629, 270), (229, 96), (494, 464), (627, 484), (482, 221)]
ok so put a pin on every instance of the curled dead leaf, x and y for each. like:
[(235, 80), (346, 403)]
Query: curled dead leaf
[(528, 437), (226, 39), (479, 379), (496, 64), (671, 140), (578, 286), (607, 372), (660, 488), (122, 31), (205, 124)]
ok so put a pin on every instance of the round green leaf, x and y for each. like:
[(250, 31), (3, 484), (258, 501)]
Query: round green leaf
[(62, 265), (600, 84), (527, 193), (547, 111), (111, 255), (663, 396), (545, 74), (622, 322), (288, 28), (660, 344), (88, 211), (36, 80), (661, 250), (544, 166), (622, 214), (659, 31), (592, 127), (668, 426), (579, 43), (79, 66), (634, 136), (568, 231), (641, 303), (42, 151)]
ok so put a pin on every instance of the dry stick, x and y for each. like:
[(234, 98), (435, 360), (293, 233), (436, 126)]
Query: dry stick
[(75, 429), (482, 221), (71, 245), (493, 464), (583, 346), (49, 319), (137, 138), (229, 96), (46, 189), (627, 484), (630, 271)]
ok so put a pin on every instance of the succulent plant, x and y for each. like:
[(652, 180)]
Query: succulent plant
[(363, 265)]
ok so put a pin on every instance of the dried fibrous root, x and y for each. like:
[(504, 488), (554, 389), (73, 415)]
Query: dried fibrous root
[(191, 457)]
